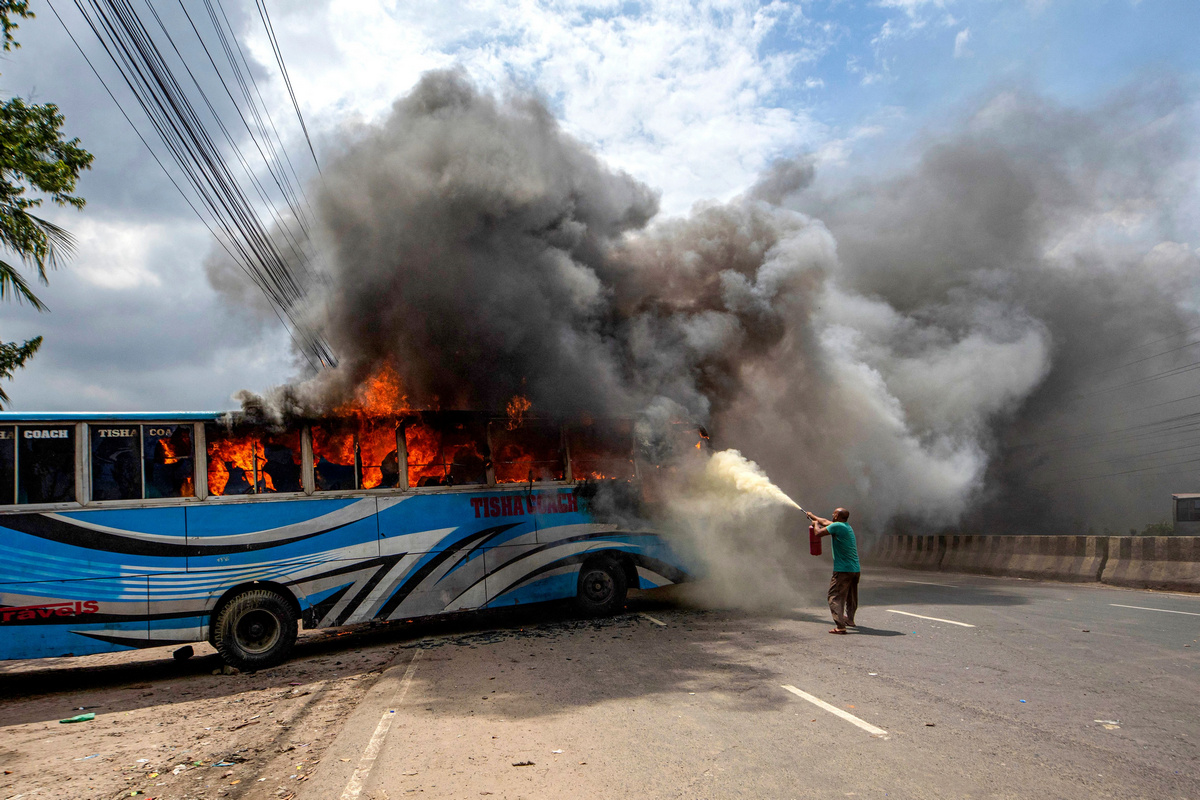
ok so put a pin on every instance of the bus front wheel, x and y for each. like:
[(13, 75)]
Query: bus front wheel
[(255, 630), (602, 587)]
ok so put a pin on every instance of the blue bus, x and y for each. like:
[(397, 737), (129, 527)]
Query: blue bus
[(131, 530)]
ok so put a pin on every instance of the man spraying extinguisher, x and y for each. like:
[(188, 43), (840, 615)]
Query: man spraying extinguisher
[(843, 588)]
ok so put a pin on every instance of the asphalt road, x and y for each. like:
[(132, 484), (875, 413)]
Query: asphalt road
[(1058, 690)]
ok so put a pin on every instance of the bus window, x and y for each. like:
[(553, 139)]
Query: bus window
[(377, 454), (424, 445), (601, 450), (333, 457), (116, 462), (8, 466), (46, 459), (526, 451), (249, 461), (170, 460), (355, 454), (279, 464), (446, 449)]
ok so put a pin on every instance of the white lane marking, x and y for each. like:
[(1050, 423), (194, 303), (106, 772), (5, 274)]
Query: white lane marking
[(846, 715), (927, 583), (371, 752), (657, 622), (935, 619), (1164, 610)]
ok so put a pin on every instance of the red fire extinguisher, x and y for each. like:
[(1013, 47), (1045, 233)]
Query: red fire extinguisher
[(814, 541)]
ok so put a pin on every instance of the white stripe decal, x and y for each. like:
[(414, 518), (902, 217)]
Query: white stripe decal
[(354, 512)]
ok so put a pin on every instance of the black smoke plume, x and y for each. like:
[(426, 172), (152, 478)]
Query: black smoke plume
[(929, 345)]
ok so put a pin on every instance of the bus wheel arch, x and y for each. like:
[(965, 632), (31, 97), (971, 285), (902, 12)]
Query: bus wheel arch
[(253, 626), (604, 580)]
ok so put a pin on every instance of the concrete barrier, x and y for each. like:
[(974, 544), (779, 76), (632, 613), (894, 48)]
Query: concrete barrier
[(910, 552), (1143, 562), (1061, 558), (1154, 562)]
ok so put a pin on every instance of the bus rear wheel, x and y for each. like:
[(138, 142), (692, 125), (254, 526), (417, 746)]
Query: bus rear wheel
[(602, 587), (255, 630)]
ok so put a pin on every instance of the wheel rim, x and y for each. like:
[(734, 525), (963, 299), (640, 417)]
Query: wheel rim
[(257, 630), (598, 586)]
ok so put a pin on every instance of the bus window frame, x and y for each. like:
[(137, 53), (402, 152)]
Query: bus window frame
[(562, 443), (310, 477), (84, 460), (83, 467), (634, 459), (256, 496)]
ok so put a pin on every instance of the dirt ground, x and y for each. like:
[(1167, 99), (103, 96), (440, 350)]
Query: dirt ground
[(173, 730)]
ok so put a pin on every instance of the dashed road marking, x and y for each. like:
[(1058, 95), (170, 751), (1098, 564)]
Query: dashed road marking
[(371, 751), (935, 619), (657, 622), (846, 715), (1164, 610)]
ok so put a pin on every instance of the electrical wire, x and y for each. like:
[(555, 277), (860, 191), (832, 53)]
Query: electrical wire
[(174, 114), (266, 18)]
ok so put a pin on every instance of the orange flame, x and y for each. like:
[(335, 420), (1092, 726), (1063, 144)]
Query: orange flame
[(231, 458), (243, 458), (516, 409), (381, 395)]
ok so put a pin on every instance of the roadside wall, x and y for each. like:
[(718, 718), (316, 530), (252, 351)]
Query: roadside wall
[(1149, 562), (1154, 562)]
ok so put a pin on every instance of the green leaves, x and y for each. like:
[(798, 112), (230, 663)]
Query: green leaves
[(13, 357), (9, 8), (34, 157)]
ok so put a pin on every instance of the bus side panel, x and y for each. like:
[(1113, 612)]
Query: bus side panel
[(76, 560), (103, 543), (290, 542), (568, 536), (439, 541), (72, 618)]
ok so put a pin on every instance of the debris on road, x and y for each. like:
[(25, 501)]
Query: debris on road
[(523, 764), (88, 717)]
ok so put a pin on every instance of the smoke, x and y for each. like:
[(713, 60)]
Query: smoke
[(731, 480), (926, 344)]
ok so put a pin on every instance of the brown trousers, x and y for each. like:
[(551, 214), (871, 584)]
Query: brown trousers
[(843, 598)]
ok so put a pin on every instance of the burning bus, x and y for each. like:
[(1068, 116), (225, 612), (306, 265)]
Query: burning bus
[(135, 530)]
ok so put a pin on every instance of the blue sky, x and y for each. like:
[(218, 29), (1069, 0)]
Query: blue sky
[(693, 99)]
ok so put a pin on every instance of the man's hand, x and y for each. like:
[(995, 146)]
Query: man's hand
[(824, 523)]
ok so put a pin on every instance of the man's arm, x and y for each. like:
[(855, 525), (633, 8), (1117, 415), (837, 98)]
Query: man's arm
[(822, 524)]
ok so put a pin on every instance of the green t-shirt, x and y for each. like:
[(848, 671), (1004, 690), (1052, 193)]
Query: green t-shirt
[(845, 551)]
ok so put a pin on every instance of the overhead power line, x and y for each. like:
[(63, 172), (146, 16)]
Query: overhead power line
[(266, 18), (190, 126)]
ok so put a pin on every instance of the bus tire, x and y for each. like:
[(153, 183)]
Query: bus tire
[(602, 587), (255, 630)]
